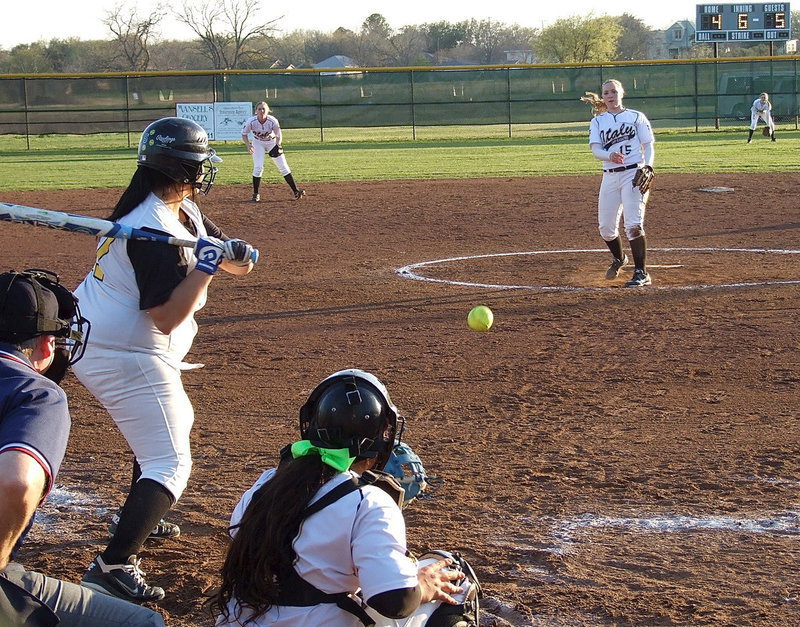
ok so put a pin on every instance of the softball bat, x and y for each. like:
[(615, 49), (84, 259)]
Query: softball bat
[(88, 225)]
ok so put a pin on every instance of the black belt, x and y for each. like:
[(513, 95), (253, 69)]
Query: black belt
[(623, 168)]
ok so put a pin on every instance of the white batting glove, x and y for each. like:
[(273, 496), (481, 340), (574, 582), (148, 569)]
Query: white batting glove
[(239, 253), (209, 252)]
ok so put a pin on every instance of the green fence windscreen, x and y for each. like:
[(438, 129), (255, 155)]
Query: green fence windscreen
[(689, 93)]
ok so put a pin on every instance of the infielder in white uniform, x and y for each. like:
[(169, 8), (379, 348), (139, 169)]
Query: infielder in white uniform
[(287, 567), (761, 109), (142, 297), (267, 138), (623, 140)]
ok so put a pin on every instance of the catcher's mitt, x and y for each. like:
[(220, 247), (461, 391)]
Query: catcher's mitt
[(596, 101), (766, 132), (644, 178)]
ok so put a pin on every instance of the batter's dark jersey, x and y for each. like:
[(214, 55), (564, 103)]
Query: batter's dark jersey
[(160, 267)]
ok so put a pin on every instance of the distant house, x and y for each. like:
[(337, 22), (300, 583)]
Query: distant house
[(678, 38), (280, 64), (337, 61)]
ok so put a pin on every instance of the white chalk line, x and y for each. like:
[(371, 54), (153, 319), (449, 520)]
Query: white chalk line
[(566, 532), (408, 272), (61, 501)]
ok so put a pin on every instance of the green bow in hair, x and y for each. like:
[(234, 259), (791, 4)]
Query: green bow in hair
[(338, 458)]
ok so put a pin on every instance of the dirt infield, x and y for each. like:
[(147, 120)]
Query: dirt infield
[(610, 456)]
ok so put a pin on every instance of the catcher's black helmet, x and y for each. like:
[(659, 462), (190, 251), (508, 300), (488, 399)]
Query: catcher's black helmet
[(352, 409), (34, 303), (178, 148)]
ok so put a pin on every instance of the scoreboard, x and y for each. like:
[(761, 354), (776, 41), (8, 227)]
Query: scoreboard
[(743, 22)]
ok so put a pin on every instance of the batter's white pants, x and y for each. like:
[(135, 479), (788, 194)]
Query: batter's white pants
[(260, 151), (764, 115), (146, 399), (619, 198)]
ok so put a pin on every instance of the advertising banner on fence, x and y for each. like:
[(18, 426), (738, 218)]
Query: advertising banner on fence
[(221, 120), (229, 117)]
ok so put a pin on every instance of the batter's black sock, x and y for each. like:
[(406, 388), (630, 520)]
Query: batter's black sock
[(145, 506), (639, 251), (615, 246), (290, 179), (256, 184), (750, 135)]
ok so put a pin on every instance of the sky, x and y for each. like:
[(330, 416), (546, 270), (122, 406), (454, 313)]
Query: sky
[(43, 20)]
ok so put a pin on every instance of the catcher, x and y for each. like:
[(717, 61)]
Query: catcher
[(623, 141), (321, 540)]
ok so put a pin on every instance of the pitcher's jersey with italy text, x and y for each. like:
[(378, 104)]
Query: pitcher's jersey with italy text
[(111, 297), (623, 132)]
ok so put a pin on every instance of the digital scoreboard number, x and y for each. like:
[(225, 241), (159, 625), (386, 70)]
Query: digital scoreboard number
[(743, 22)]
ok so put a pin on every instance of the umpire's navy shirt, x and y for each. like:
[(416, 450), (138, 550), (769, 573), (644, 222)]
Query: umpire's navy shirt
[(34, 414)]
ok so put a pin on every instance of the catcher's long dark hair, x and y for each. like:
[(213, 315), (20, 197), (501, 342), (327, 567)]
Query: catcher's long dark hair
[(143, 181), (262, 546)]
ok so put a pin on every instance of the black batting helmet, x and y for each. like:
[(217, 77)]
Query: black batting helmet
[(178, 148), (35, 303), (351, 409)]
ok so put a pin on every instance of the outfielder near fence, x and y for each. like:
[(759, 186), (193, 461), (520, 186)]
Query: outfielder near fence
[(680, 93)]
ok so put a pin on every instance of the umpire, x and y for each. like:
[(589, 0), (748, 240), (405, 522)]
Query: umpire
[(42, 333)]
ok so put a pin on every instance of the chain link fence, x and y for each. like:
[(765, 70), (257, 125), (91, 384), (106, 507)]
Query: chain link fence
[(700, 94)]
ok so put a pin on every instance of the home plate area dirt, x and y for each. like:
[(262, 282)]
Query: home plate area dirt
[(606, 455)]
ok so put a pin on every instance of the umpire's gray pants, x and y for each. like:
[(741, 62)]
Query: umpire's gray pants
[(78, 606)]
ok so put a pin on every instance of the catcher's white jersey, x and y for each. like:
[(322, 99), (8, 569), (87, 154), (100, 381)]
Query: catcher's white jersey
[(265, 131), (357, 541), (623, 132), (109, 295)]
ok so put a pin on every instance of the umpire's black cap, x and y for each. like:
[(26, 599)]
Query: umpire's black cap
[(29, 308)]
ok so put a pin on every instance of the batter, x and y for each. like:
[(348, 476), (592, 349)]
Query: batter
[(267, 140), (142, 297), (623, 140)]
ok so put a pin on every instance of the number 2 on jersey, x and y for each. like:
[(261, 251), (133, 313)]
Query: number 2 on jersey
[(102, 250)]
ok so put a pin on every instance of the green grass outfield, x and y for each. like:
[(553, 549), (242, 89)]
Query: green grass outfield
[(76, 162)]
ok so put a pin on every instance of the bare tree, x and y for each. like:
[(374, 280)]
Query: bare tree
[(134, 34), (225, 29), (408, 46)]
